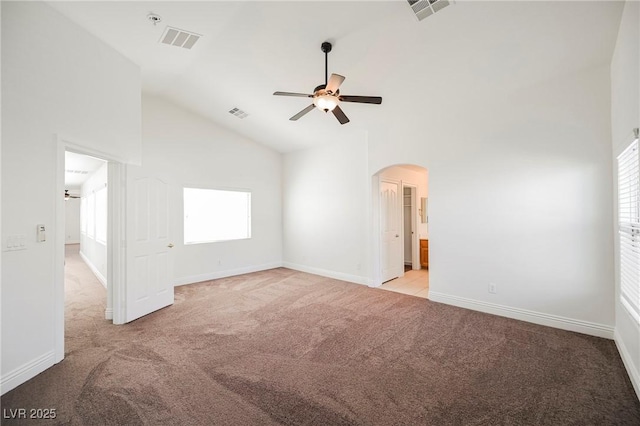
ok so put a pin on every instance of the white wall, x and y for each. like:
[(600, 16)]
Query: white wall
[(72, 221), (190, 151), (56, 79), (92, 250), (325, 210), (625, 115), (519, 195)]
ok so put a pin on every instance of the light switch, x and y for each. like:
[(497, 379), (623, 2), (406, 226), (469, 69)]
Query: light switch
[(16, 242)]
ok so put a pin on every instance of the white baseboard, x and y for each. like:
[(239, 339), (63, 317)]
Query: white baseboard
[(25, 372), (327, 273), (95, 271), (563, 323), (72, 242), (627, 360), (192, 279), (108, 314)]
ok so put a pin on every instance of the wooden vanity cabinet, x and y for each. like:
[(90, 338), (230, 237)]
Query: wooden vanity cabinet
[(424, 253)]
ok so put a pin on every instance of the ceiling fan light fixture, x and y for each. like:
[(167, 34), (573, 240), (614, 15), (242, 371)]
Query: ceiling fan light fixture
[(326, 102)]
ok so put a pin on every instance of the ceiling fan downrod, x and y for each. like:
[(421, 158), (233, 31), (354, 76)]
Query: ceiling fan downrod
[(326, 48)]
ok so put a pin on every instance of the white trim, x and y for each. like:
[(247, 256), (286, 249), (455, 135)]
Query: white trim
[(95, 271), (116, 237), (374, 235), (68, 242), (627, 360), (415, 238), (58, 266), (108, 314), (78, 148), (563, 323), (26, 371), (327, 273), (192, 279)]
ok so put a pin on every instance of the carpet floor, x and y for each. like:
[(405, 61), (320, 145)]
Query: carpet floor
[(285, 347)]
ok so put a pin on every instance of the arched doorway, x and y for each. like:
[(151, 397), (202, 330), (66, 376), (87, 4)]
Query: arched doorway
[(400, 229)]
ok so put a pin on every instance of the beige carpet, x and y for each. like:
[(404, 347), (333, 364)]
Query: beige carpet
[(285, 347)]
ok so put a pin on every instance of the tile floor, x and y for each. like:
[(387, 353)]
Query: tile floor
[(415, 283)]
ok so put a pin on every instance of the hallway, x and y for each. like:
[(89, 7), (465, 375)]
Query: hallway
[(85, 300)]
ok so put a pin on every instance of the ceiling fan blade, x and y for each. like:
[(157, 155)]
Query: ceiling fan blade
[(303, 112), (362, 99), (300, 95), (342, 118), (334, 83)]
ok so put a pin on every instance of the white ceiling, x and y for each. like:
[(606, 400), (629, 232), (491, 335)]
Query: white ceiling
[(250, 49), (78, 168)]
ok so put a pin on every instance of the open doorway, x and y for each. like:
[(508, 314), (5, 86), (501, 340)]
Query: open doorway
[(85, 231), (71, 183), (131, 193), (400, 208)]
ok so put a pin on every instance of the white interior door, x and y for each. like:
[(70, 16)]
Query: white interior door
[(390, 216), (149, 277)]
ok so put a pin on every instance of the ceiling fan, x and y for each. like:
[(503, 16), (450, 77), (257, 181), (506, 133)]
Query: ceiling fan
[(327, 97), (68, 196)]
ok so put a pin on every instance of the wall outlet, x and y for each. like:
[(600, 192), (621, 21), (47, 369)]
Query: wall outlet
[(493, 288)]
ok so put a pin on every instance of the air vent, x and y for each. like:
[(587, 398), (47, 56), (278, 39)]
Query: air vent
[(79, 172), (426, 8), (238, 113), (179, 38)]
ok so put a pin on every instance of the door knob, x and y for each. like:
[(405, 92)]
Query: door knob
[(397, 235), (170, 245)]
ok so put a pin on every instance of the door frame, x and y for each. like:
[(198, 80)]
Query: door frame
[(379, 226), (115, 238), (415, 241)]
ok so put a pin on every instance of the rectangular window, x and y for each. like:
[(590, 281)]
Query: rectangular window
[(629, 228), (83, 215), (91, 215), (215, 215), (101, 215)]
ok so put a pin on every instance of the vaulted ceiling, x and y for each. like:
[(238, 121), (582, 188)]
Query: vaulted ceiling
[(249, 49), (78, 168)]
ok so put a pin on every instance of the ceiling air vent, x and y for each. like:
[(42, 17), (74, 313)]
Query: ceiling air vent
[(238, 113), (180, 38), (426, 8)]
